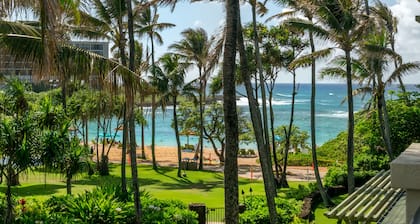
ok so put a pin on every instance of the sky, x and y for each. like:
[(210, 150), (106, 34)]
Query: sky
[(211, 15)]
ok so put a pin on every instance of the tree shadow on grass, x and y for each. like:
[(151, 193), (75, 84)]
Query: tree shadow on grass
[(35, 190)]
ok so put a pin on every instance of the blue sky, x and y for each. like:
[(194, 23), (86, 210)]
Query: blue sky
[(210, 15)]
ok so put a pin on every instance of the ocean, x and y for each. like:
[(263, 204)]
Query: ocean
[(331, 114)]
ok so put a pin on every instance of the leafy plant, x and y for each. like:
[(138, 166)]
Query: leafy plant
[(257, 211)]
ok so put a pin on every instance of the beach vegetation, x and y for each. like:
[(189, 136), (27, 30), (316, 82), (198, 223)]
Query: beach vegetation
[(170, 82)]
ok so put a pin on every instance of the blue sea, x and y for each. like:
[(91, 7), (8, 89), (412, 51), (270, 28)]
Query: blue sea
[(331, 113)]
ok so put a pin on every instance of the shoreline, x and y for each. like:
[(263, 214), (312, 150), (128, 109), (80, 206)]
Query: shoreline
[(250, 168)]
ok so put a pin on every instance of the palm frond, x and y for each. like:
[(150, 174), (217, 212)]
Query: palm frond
[(306, 60), (402, 70)]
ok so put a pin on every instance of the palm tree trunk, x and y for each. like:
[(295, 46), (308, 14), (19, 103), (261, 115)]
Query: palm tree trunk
[(283, 182), (350, 131), (200, 167), (321, 189), (124, 191), (130, 112), (153, 131), (68, 184), (178, 141), (9, 211), (273, 140), (384, 123), (264, 154), (143, 153), (230, 114)]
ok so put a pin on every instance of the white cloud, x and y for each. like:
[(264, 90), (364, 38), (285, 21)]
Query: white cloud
[(408, 36)]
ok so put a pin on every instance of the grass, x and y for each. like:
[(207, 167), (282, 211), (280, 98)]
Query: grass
[(197, 187), (320, 209)]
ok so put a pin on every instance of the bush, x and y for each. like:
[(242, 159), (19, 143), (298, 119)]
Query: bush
[(301, 192), (337, 176), (104, 205), (305, 159), (257, 212)]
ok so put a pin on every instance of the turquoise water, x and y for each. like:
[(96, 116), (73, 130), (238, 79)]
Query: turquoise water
[(331, 114)]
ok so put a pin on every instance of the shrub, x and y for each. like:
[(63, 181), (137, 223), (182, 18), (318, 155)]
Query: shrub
[(105, 205), (301, 192), (257, 212)]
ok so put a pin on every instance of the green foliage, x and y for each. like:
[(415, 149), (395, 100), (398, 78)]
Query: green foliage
[(298, 138), (305, 159), (337, 176), (104, 205), (257, 211), (301, 191)]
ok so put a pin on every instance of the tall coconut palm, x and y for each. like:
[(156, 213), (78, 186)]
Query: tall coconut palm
[(171, 78), (204, 52), (147, 24), (264, 154), (390, 22), (307, 9), (341, 23)]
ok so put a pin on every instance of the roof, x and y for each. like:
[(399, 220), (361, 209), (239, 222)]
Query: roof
[(369, 202)]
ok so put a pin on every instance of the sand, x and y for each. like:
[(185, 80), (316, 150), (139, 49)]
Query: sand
[(248, 167)]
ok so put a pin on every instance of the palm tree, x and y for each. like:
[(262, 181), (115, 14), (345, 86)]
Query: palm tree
[(147, 24), (387, 19), (264, 153), (18, 140), (307, 9), (340, 22), (170, 76), (204, 52)]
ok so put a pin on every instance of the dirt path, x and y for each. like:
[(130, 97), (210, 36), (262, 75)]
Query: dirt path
[(248, 167)]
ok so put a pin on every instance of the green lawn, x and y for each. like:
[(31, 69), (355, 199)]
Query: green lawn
[(197, 187)]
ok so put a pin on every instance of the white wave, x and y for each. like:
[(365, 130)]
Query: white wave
[(284, 95), (243, 101), (334, 114)]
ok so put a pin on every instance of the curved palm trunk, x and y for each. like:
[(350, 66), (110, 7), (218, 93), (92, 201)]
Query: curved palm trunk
[(230, 113), (326, 200), (178, 141), (263, 152), (350, 130)]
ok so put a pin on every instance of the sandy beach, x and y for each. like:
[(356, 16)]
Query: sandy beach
[(248, 167)]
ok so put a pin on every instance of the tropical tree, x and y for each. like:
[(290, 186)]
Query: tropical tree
[(341, 22), (147, 24), (204, 52), (306, 8), (19, 140), (171, 78), (387, 20), (262, 144)]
